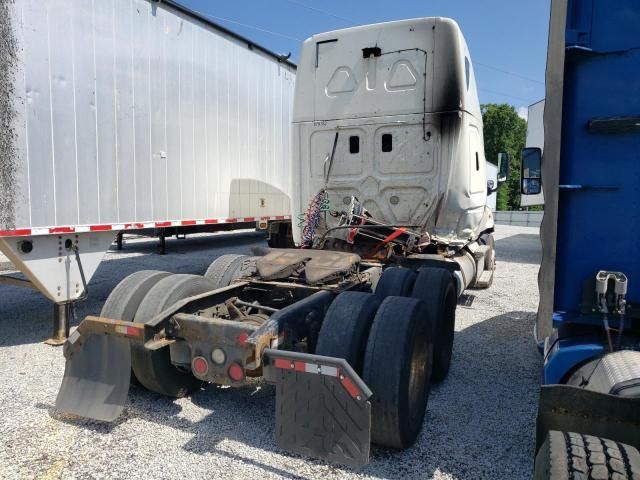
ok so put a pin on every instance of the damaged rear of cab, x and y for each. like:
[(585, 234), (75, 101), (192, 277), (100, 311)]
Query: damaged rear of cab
[(403, 100)]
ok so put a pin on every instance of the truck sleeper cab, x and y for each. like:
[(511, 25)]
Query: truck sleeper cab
[(402, 98)]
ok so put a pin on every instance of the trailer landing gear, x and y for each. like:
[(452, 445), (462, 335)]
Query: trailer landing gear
[(59, 267), (61, 316)]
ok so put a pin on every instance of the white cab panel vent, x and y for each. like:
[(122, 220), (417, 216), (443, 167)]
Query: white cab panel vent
[(403, 76), (342, 81)]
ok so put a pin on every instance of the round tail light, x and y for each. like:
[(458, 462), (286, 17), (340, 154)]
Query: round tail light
[(200, 366), (236, 372), (242, 338)]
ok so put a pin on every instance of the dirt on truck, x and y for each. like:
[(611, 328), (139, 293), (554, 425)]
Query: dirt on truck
[(354, 324)]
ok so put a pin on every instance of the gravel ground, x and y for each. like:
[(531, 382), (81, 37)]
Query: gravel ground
[(479, 423)]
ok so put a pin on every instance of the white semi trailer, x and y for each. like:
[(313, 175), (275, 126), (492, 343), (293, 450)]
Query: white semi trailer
[(390, 190), (131, 115)]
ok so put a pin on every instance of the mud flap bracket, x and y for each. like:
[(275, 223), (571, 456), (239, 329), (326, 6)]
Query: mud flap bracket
[(322, 407)]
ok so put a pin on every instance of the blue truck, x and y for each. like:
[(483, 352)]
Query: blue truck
[(588, 324)]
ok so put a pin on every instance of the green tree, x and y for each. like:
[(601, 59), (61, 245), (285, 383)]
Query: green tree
[(505, 131)]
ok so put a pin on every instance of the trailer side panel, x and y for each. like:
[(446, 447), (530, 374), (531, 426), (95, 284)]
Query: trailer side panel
[(135, 111)]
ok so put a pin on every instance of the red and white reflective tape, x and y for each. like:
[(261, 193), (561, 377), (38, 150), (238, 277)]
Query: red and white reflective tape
[(106, 227), (128, 331), (307, 367)]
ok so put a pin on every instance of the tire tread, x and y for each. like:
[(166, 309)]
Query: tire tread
[(346, 327), (222, 268), (570, 455), (436, 286), (397, 324), (395, 282)]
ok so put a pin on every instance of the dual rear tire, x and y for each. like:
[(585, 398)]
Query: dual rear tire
[(397, 367), (346, 327), (124, 300), (436, 287), (140, 297), (387, 342), (153, 368), (387, 337), (398, 339), (144, 294)]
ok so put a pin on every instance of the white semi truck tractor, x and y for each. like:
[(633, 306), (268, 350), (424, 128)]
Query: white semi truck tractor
[(354, 324)]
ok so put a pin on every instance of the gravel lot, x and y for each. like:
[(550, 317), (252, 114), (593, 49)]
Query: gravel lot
[(479, 423)]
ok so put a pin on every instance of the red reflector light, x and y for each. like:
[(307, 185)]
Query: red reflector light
[(236, 372), (200, 366), (128, 331), (282, 363), (133, 331), (350, 387), (242, 338)]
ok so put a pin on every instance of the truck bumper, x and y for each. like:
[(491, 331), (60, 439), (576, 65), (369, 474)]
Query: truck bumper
[(322, 405)]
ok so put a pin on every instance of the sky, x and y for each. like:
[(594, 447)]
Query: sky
[(507, 38)]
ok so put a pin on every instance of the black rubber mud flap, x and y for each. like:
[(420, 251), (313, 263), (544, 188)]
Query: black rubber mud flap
[(96, 377), (97, 371), (322, 407)]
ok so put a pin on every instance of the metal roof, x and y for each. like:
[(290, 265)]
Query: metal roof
[(251, 45)]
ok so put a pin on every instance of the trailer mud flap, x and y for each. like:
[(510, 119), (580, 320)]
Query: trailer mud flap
[(96, 376), (322, 407), (573, 409)]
